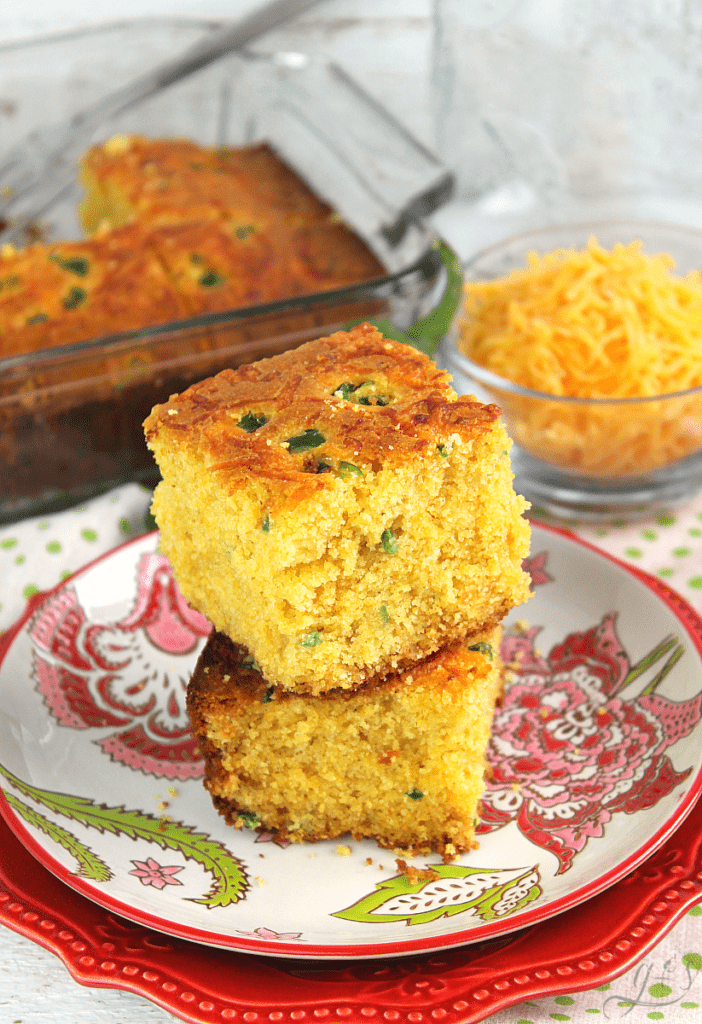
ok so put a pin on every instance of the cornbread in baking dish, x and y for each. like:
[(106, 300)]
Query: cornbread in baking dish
[(233, 226), (179, 231), (167, 181), (339, 510), (55, 294), (401, 761), (220, 265)]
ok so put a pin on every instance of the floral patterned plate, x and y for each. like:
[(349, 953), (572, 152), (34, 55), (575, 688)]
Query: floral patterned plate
[(596, 759)]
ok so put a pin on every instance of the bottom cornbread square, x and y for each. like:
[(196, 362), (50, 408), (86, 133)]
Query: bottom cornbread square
[(401, 761)]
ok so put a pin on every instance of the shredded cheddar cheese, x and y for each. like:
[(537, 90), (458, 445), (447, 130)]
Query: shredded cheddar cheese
[(594, 324)]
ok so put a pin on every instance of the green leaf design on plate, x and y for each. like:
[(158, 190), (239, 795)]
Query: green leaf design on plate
[(90, 865), (487, 894), (229, 879)]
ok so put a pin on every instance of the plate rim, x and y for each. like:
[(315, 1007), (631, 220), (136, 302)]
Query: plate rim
[(193, 979), (359, 951)]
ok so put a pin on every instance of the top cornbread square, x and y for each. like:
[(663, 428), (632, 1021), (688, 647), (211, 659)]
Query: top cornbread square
[(338, 510)]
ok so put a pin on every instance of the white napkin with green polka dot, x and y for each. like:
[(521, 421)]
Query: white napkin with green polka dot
[(668, 545), (37, 554)]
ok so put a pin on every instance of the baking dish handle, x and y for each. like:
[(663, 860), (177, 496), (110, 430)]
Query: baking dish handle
[(373, 170)]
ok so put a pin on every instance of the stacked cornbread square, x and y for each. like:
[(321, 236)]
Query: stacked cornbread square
[(400, 760), (349, 526)]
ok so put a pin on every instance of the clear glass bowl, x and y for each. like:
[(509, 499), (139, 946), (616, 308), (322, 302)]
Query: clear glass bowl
[(592, 459)]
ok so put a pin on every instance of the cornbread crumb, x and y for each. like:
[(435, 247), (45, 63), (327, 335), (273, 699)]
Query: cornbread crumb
[(291, 549), (413, 874), (344, 851)]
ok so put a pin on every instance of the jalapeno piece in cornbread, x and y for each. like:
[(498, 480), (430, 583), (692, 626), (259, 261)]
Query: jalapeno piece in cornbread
[(369, 485), (401, 761)]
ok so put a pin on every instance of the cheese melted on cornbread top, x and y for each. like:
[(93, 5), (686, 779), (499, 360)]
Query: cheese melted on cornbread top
[(330, 408), (63, 292)]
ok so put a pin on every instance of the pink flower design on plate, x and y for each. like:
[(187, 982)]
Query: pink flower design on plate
[(270, 935), (568, 751), (535, 565), (128, 677), (150, 872)]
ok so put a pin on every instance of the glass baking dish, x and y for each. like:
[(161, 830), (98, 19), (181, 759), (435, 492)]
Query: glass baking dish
[(70, 418)]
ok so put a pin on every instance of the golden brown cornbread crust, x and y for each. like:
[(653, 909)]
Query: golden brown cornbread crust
[(165, 181), (314, 768), (299, 390)]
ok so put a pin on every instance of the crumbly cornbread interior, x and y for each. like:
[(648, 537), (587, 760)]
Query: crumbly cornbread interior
[(401, 761), (339, 510)]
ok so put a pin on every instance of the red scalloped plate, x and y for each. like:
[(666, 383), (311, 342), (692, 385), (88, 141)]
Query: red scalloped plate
[(580, 949)]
